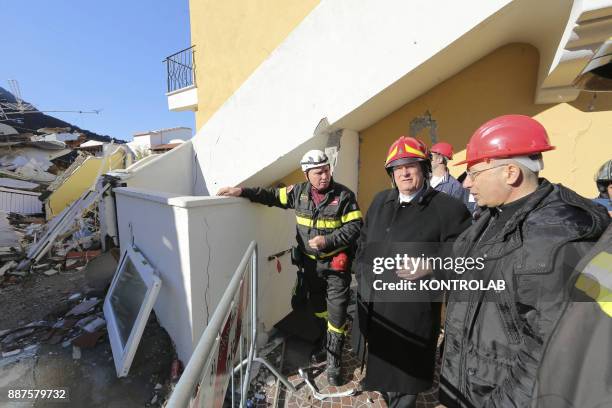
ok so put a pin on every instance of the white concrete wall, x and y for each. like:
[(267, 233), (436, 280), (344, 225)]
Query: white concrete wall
[(183, 99), (142, 140), (160, 232), (171, 172), (181, 133), (343, 54), (355, 62), (196, 243)]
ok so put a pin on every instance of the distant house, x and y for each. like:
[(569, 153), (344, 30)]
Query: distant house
[(159, 141)]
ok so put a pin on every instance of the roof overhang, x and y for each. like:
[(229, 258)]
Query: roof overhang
[(566, 33)]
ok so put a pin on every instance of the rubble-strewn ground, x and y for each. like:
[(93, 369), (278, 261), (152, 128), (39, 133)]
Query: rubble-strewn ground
[(295, 354), (91, 379), (53, 330), (37, 296)]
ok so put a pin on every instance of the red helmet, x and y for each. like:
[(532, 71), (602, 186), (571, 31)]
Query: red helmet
[(406, 150), (443, 148), (507, 136)]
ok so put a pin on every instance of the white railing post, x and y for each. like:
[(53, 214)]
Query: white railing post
[(188, 391)]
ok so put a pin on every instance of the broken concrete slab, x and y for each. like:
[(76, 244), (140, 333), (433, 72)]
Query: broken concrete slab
[(18, 184), (83, 307), (50, 272), (7, 266), (84, 321), (88, 340), (96, 324)]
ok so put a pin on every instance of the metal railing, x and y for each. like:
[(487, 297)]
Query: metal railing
[(228, 346), (180, 69)]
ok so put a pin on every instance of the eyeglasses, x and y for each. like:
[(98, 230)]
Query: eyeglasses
[(474, 174)]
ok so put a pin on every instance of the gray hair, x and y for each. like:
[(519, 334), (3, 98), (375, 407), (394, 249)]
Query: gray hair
[(529, 165)]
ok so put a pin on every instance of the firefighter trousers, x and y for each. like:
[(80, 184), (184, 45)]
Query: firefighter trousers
[(329, 292)]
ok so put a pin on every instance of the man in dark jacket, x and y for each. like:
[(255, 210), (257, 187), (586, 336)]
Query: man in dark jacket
[(575, 369), (441, 179), (531, 237), (328, 224), (399, 331)]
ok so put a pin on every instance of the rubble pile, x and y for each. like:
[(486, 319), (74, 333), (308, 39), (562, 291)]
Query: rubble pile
[(30, 157), (71, 249), (77, 322)]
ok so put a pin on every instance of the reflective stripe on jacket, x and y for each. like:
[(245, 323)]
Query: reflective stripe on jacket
[(337, 217)]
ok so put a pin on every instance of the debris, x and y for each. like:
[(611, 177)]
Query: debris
[(85, 255), (83, 307), (84, 321), (17, 273), (7, 266), (76, 353), (158, 387), (88, 340), (154, 400), (63, 223), (6, 354), (75, 296), (41, 266), (50, 272), (17, 334), (70, 263), (94, 325), (18, 184)]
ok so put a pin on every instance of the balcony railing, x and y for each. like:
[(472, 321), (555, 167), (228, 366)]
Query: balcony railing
[(180, 68)]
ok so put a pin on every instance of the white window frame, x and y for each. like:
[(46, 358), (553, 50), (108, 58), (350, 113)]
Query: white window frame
[(123, 356)]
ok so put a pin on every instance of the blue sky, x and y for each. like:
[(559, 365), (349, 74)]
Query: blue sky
[(83, 55)]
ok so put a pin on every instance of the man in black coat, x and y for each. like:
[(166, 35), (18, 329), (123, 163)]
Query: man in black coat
[(531, 235), (400, 331)]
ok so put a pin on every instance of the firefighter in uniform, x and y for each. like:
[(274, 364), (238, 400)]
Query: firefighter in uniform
[(328, 225)]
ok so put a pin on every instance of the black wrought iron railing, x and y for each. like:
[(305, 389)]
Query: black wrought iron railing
[(180, 68)]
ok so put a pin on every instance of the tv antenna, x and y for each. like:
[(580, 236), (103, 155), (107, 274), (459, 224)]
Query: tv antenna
[(20, 107)]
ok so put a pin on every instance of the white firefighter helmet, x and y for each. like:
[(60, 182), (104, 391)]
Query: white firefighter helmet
[(313, 159)]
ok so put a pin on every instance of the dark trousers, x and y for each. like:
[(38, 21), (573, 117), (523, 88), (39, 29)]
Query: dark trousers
[(399, 400), (329, 291)]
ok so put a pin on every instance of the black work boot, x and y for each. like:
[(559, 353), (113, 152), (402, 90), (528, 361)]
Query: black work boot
[(319, 350), (335, 341)]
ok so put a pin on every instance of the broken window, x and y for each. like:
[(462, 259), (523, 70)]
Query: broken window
[(127, 306)]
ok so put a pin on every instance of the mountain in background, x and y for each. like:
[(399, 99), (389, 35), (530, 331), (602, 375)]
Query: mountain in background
[(30, 122)]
